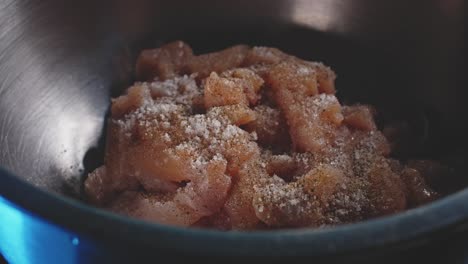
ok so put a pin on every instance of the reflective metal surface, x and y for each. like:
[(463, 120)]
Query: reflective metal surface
[(60, 61), (21, 236)]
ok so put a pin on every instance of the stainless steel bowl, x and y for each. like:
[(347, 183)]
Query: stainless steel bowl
[(60, 62)]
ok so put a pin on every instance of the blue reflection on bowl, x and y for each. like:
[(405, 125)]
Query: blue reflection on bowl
[(26, 239)]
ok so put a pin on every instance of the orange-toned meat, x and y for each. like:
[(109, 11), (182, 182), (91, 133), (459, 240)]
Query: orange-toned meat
[(247, 139)]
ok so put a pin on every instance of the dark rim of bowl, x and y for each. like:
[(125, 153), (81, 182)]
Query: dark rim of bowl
[(93, 222)]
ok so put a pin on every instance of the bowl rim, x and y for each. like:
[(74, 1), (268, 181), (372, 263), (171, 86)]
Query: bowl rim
[(70, 214)]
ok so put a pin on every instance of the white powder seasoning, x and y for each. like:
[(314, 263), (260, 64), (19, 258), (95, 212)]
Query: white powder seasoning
[(210, 155)]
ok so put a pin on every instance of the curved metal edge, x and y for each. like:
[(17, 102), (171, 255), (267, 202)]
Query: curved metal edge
[(96, 223)]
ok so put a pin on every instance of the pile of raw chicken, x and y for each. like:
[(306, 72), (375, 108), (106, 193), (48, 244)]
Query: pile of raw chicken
[(247, 139)]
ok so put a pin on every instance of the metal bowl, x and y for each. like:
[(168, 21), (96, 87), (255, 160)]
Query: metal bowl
[(61, 61)]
